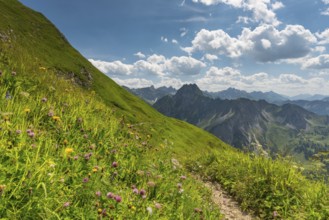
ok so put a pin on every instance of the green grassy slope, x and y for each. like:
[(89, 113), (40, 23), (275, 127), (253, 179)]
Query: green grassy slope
[(58, 153), (33, 44)]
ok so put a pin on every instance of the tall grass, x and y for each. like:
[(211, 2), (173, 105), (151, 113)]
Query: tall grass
[(65, 155), (272, 189)]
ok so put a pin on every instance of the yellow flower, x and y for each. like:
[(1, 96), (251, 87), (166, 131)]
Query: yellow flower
[(95, 169), (68, 150), (42, 68), (56, 118), (27, 110)]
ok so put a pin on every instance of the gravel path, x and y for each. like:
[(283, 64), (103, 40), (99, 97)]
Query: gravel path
[(228, 207)]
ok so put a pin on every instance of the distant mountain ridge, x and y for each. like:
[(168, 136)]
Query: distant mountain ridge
[(318, 104), (257, 125), (151, 94)]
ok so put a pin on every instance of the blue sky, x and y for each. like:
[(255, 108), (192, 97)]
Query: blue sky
[(263, 45)]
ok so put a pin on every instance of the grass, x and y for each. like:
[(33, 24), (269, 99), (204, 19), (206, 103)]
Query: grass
[(60, 159), (75, 145)]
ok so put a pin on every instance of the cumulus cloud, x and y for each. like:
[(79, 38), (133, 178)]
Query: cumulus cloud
[(217, 79), (113, 68), (156, 65), (210, 57), (265, 43), (319, 62), (323, 37), (140, 55), (133, 82), (325, 12), (263, 10), (291, 79), (174, 41)]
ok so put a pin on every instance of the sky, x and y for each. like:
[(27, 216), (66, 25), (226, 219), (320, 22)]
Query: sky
[(252, 45)]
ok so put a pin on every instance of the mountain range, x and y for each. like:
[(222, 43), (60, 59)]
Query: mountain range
[(318, 104), (152, 94), (256, 126)]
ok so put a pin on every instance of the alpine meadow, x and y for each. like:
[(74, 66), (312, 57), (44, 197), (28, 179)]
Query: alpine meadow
[(76, 145)]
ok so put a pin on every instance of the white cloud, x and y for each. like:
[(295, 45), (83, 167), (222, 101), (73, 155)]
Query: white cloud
[(156, 65), (243, 20), (325, 12), (174, 41), (291, 79), (184, 65), (210, 57), (140, 55), (183, 32), (319, 62), (265, 43), (263, 10), (170, 81), (164, 39), (133, 82), (323, 37), (277, 5), (217, 79), (157, 59), (113, 68), (147, 68)]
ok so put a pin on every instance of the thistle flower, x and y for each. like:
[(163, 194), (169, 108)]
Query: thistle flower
[(115, 164), (88, 155), (18, 131), (66, 204), (44, 99), (51, 113), (110, 195), (118, 198), (98, 193), (31, 134), (183, 177), (85, 180), (157, 205), (135, 190), (142, 192)]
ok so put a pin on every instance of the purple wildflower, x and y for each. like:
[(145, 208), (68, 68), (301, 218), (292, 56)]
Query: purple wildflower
[(135, 190), (118, 198), (66, 204), (98, 193), (110, 195), (142, 192), (85, 180), (115, 164), (18, 131)]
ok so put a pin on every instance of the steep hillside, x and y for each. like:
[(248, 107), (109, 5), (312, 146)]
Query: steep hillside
[(77, 146), (243, 123)]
